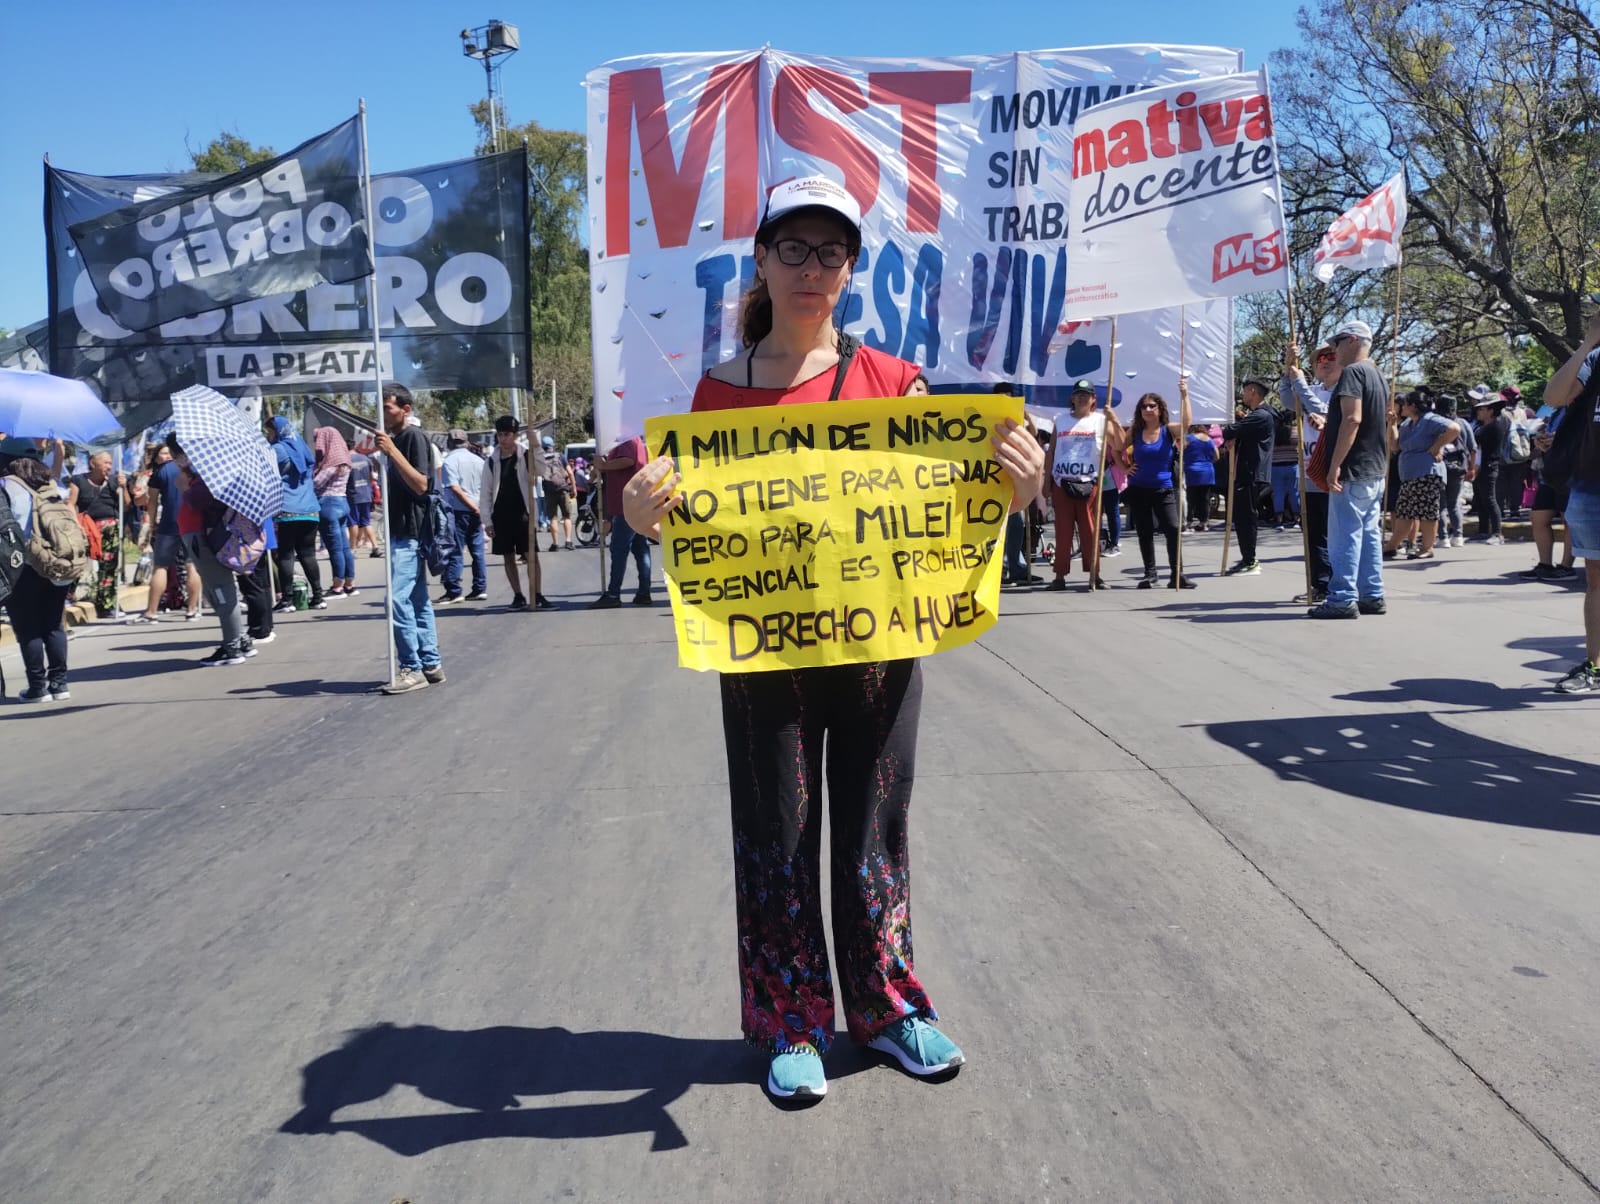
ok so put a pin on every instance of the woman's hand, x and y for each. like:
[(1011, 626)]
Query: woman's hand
[(1021, 456), (650, 494)]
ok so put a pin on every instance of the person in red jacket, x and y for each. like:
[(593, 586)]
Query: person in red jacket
[(778, 723)]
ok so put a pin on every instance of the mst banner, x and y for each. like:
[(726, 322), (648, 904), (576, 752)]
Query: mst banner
[(825, 535), (961, 167), (1175, 198), (452, 283), (274, 227), (1365, 236)]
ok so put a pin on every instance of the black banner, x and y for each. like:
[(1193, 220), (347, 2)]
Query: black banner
[(452, 284), (274, 227), (27, 349)]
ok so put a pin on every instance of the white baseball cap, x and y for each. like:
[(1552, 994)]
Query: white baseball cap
[(813, 192)]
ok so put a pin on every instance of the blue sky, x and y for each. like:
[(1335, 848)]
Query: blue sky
[(116, 87)]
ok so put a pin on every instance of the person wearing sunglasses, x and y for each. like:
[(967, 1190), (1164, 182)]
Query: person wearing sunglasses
[(854, 723), (1313, 402), (1150, 454)]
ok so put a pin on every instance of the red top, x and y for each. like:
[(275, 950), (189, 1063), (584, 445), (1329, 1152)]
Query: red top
[(871, 374)]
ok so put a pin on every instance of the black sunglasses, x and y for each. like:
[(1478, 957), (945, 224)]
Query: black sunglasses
[(793, 252)]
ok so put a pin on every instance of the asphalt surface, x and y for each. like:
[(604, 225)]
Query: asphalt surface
[(1222, 905)]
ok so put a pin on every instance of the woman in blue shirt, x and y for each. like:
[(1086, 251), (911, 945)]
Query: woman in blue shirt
[(1199, 476), (1150, 454), (1421, 437)]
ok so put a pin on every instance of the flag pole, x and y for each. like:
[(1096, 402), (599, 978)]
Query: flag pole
[(1300, 453), (1183, 438), (1098, 512), (377, 385), (1227, 506)]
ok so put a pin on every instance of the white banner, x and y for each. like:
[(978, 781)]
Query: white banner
[(1367, 236), (961, 167), (1175, 198)]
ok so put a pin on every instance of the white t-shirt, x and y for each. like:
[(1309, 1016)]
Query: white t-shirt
[(1078, 450)]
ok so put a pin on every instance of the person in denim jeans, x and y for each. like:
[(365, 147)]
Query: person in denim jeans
[(1357, 473), (462, 480), (330, 477), (415, 640)]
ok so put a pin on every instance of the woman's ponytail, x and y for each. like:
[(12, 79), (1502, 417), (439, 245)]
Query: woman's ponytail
[(755, 314)]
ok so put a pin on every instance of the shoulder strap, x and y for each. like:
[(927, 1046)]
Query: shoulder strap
[(847, 353), (750, 366)]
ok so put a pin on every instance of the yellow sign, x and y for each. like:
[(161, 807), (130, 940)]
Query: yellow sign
[(834, 533)]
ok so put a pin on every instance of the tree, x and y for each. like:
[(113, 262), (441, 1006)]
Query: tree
[(558, 277), (227, 153), (1491, 107)]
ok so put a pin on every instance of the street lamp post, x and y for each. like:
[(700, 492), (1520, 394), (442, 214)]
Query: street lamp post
[(489, 44)]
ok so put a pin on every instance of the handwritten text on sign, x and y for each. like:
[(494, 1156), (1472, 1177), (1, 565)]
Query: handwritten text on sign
[(832, 534)]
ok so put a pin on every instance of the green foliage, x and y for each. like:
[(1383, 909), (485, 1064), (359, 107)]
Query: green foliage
[(227, 153)]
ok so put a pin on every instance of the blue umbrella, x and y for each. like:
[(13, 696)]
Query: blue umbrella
[(230, 454), (36, 405)]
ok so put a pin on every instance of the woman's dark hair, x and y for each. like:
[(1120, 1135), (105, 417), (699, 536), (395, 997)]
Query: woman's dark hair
[(1138, 418), (173, 445), (150, 454), (30, 472)]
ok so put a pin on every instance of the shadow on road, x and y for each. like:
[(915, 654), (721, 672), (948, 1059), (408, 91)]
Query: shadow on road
[(1417, 762), (310, 688), (486, 1070)]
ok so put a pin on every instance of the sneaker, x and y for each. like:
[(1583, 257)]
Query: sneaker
[(1181, 583), (1245, 568), (1114, 550), (284, 608), (405, 681), (1099, 584), (1149, 582), (1058, 585), (447, 599), (1562, 572), (919, 1047), (476, 595), (1372, 606), (60, 693), (1279, 527), (1312, 599), (1495, 539), (518, 603), (223, 656), (434, 676), (1327, 610), (1460, 541), (1539, 572), (264, 639), (318, 604), (136, 620), (540, 602), (606, 602), (191, 616), (247, 649), (336, 592), (35, 694), (571, 547), (1390, 553), (642, 599), (797, 1072), (555, 547), (351, 591), (1585, 679), (375, 554)]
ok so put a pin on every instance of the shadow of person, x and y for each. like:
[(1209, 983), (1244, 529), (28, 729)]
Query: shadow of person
[(486, 1071), (1417, 762)]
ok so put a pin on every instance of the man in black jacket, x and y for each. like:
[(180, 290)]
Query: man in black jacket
[(1250, 440)]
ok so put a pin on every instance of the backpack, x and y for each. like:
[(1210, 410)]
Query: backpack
[(58, 548), (437, 539), (1519, 447), (13, 553), (553, 470), (237, 542)]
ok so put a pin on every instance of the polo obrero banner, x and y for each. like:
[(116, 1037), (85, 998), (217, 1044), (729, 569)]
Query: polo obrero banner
[(960, 168)]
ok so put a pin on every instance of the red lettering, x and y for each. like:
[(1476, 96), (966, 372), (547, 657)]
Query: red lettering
[(919, 95), (809, 132), (1246, 253), (636, 98)]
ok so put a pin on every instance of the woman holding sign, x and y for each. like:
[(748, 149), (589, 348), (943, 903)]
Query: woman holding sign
[(1076, 460), (777, 724), (1152, 493)]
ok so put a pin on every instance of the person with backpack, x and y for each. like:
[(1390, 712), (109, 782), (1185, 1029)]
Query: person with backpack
[(301, 516), (1517, 458), (560, 493), (1573, 462), (55, 550)]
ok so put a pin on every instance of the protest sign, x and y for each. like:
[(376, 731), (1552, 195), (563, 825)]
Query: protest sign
[(1366, 236), (961, 169), (1175, 199), (25, 349), (823, 535), (289, 223), (452, 256)]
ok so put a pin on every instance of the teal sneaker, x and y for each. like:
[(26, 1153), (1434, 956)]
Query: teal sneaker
[(797, 1072), (918, 1046)]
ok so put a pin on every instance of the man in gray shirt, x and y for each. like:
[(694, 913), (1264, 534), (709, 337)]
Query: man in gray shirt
[(462, 474)]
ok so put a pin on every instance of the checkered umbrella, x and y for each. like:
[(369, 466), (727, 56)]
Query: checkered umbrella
[(231, 456)]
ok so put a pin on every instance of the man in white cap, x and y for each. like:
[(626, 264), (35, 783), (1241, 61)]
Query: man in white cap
[(1357, 472), (1576, 387)]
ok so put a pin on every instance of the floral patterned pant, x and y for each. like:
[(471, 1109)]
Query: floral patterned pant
[(782, 728)]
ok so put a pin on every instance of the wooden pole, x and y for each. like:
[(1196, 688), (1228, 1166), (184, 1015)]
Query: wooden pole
[(1227, 511), (1183, 438), (1394, 383), (1300, 455), (1105, 442)]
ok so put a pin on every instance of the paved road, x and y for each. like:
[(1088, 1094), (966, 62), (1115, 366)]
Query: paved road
[(1223, 905)]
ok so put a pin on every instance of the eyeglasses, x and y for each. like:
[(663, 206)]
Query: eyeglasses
[(1149, 405), (794, 252), (1326, 355)]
